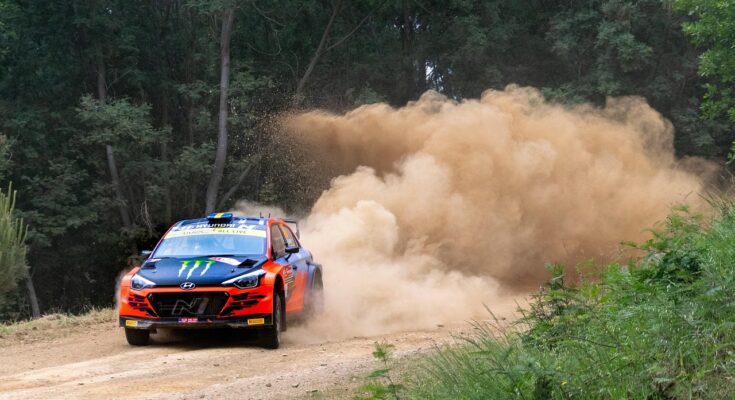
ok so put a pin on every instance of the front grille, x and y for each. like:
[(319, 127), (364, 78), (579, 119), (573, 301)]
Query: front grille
[(193, 304), (138, 303), (241, 301)]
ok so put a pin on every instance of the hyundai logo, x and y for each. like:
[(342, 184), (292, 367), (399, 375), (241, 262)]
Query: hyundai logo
[(187, 285)]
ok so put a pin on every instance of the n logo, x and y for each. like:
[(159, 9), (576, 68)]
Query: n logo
[(194, 307)]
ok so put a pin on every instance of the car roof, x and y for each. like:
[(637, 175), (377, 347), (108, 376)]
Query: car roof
[(235, 219), (257, 222)]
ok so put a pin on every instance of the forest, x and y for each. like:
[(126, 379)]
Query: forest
[(119, 118)]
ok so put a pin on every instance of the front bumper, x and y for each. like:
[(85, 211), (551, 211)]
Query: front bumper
[(202, 306), (251, 321)]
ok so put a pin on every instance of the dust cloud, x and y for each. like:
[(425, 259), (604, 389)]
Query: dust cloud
[(442, 207)]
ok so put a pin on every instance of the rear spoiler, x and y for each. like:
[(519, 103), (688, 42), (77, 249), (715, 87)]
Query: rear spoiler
[(294, 225)]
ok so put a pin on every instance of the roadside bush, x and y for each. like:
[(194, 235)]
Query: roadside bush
[(660, 327), (12, 246)]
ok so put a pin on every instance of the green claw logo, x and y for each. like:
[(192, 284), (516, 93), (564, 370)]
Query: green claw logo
[(195, 266)]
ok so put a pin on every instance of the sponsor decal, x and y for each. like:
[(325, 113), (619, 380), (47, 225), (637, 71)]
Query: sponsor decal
[(197, 263), (289, 279), (217, 229), (183, 267), (131, 323), (188, 320), (195, 266), (230, 261), (206, 268), (256, 321)]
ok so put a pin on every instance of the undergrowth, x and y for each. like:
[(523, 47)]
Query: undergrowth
[(55, 325), (659, 327)]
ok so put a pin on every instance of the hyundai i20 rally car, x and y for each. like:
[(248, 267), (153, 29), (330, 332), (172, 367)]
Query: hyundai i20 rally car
[(222, 271)]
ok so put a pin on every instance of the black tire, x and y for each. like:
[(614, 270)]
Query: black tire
[(315, 301), (137, 337), (271, 337)]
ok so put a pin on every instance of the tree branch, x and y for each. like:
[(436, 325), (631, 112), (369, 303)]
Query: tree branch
[(337, 43), (317, 53), (240, 180), (262, 14)]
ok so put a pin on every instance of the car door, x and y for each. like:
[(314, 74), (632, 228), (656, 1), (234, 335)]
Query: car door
[(278, 248), (299, 263)]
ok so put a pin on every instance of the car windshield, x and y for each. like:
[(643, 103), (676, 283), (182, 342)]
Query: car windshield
[(210, 242)]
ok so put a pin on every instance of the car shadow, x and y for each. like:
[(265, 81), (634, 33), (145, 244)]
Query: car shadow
[(192, 339)]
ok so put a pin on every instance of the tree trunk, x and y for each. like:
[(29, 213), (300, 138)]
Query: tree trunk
[(168, 207), (298, 94), (111, 165), (32, 298), (101, 78), (407, 33), (221, 154)]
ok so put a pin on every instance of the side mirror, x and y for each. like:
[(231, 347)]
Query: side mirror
[(292, 250), (145, 253)]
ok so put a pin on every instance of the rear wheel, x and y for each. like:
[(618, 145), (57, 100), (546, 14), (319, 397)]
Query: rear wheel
[(271, 336), (137, 337), (315, 303)]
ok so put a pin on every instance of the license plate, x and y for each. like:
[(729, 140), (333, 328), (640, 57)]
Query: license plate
[(186, 320)]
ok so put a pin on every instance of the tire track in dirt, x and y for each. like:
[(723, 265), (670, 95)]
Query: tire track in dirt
[(98, 363)]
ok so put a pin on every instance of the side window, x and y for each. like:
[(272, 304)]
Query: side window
[(277, 242), (291, 240)]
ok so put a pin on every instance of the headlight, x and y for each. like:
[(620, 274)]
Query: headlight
[(249, 280), (138, 282)]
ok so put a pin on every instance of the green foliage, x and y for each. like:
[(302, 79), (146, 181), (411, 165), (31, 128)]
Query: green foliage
[(381, 385), (13, 231), (368, 96), (659, 328), (117, 123), (160, 64), (713, 29), (613, 48)]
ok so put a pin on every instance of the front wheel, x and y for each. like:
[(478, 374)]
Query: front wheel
[(271, 336), (137, 337)]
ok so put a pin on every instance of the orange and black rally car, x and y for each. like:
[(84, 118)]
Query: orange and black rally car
[(222, 271)]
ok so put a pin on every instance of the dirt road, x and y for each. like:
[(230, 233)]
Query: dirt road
[(97, 363)]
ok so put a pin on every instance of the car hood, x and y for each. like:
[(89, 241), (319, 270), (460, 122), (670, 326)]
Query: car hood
[(202, 271)]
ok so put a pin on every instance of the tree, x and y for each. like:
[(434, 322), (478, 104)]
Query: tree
[(298, 94), (125, 127), (221, 154), (714, 30), (190, 99)]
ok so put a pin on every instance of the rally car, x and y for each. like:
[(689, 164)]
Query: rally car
[(222, 271)]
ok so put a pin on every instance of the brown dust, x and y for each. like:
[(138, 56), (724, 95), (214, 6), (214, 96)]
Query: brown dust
[(442, 207)]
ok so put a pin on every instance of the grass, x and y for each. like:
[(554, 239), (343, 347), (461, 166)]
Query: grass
[(54, 325), (659, 327)]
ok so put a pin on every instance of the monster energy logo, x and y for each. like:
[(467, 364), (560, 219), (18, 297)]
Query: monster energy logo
[(194, 267)]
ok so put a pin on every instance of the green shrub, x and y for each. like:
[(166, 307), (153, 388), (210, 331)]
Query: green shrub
[(12, 246), (660, 327)]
